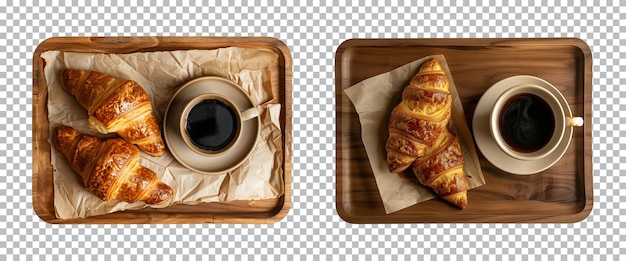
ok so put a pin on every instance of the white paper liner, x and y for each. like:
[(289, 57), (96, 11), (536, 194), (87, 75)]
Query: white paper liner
[(373, 99), (161, 74)]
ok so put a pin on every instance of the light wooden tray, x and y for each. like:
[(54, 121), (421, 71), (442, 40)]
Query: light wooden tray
[(562, 193), (256, 211)]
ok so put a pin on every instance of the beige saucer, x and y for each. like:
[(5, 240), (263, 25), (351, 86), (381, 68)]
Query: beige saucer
[(488, 146), (226, 161)]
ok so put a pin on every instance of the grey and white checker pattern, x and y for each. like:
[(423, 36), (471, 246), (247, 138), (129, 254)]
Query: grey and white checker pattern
[(313, 34)]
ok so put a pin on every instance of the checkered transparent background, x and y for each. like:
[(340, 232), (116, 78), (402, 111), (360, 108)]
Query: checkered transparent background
[(313, 32)]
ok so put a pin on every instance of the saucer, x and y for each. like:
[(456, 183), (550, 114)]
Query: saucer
[(226, 161), (488, 146)]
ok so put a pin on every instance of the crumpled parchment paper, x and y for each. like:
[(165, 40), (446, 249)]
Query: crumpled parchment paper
[(161, 74)]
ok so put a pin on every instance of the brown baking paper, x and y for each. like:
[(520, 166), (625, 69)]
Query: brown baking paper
[(161, 74), (373, 99)]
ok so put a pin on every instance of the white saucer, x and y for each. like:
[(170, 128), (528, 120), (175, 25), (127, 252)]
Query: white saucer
[(227, 160), (488, 146)]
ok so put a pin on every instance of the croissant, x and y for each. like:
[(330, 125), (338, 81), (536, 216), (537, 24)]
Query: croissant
[(416, 122), (421, 135), (442, 169), (114, 105), (110, 169)]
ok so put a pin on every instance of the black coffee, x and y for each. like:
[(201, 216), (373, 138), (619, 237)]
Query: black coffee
[(211, 124), (526, 122)]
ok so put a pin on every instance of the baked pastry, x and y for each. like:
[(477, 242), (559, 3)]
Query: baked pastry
[(110, 169), (420, 117), (421, 135), (442, 169), (116, 106)]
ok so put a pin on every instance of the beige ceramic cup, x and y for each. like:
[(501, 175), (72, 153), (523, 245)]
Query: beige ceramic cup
[(552, 106), (240, 115)]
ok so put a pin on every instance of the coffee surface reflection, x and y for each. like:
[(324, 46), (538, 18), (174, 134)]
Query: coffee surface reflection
[(526, 122), (211, 125)]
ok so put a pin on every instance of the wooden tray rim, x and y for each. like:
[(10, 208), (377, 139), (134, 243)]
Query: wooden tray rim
[(471, 42), (132, 44)]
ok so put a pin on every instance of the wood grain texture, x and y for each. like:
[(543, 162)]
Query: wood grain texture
[(255, 211), (562, 193)]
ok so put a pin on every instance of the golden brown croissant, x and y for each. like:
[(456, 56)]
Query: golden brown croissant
[(114, 105), (420, 117), (442, 169), (422, 136), (110, 169)]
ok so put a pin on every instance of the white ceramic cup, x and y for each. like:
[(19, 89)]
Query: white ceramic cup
[(507, 107), (240, 115)]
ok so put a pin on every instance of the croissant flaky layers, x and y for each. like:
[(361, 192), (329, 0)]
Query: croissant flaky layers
[(116, 106), (442, 169), (420, 117), (421, 136), (110, 169)]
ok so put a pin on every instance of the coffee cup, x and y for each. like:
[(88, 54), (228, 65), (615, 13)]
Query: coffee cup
[(528, 121), (211, 123)]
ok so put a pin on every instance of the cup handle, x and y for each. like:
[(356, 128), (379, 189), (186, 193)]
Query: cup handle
[(574, 121), (250, 113)]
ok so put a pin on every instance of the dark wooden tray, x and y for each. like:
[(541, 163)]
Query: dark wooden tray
[(256, 211), (560, 194)]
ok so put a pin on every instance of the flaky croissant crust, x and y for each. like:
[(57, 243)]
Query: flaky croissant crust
[(447, 157), (110, 169), (422, 137), (114, 105), (442, 170), (420, 117)]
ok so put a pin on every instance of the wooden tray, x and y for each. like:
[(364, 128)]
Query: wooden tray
[(258, 211), (562, 193)]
